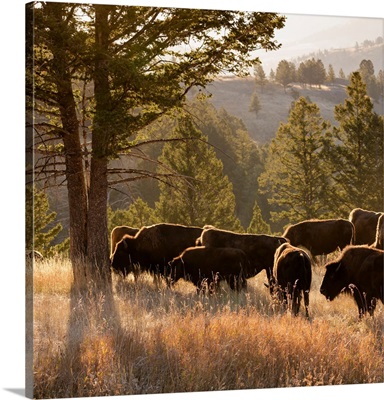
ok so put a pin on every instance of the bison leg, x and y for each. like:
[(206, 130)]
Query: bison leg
[(306, 302), (237, 282), (359, 299), (296, 300), (371, 303)]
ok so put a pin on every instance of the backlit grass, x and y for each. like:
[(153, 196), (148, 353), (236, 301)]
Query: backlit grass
[(174, 340)]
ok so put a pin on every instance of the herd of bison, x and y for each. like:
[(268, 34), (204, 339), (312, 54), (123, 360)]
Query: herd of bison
[(205, 256)]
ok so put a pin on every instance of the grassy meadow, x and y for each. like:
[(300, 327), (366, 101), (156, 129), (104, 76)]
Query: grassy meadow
[(174, 340)]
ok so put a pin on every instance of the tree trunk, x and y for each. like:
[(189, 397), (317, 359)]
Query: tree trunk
[(77, 202), (97, 226), (74, 169)]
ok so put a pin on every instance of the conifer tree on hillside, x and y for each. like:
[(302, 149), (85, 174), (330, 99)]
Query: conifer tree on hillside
[(331, 76), (254, 105), (242, 158), (295, 175), (260, 77), (204, 195), (367, 72), (311, 72), (355, 151), (257, 224), (341, 74), (285, 73)]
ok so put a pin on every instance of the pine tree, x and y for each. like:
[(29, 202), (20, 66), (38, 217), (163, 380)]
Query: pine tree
[(39, 215), (255, 106), (295, 175), (202, 194), (257, 224), (285, 73), (138, 214), (331, 74), (242, 158), (367, 72), (355, 151), (260, 77)]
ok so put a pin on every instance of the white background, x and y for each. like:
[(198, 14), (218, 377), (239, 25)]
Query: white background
[(12, 340)]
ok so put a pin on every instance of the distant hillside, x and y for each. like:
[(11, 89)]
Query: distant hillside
[(234, 94), (348, 59)]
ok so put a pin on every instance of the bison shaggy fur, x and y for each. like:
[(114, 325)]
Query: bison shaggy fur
[(211, 265), (153, 247), (359, 269), (365, 223), (321, 236), (260, 249)]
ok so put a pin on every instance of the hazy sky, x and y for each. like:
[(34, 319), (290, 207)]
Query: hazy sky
[(304, 34)]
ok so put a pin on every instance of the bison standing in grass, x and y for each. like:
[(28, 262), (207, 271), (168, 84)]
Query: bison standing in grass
[(292, 276), (260, 249), (210, 265), (359, 269), (321, 237), (365, 223), (153, 248)]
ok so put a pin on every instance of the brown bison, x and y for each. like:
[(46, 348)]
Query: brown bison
[(210, 265), (321, 236), (359, 269), (379, 242), (118, 232), (260, 249), (365, 223), (292, 276), (153, 247)]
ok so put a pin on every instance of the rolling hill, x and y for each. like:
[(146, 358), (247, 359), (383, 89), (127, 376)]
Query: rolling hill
[(234, 94)]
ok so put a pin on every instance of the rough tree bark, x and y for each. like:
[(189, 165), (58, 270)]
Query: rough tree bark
[(97, 226), (74, 170)]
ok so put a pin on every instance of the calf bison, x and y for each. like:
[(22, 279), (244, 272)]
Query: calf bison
[(359, 269), (118, 232), (365, 223), (292, 276), (379, 242), (153, 248), (321, 237), (260, 249), (211, 265)]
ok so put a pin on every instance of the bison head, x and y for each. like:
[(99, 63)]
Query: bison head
[(334, 281), (121, 259)]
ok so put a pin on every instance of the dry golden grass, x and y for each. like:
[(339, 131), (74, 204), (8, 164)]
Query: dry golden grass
[(177, 341)]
